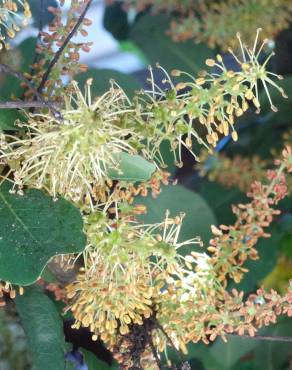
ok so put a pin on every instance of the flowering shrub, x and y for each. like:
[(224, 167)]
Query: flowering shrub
[(75, 168)]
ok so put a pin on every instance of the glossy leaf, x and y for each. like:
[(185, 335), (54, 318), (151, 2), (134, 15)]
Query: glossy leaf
[(132, 168), (33, 229), (43, 327)]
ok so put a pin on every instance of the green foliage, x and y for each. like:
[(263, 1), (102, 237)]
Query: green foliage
[(270, 355), (132, 168), (8, 118), (149, 33), (35, 228), (115, 20), (101, 78), (44, 329), (22, 59), (94, 363), (44, 14), (178, 199)]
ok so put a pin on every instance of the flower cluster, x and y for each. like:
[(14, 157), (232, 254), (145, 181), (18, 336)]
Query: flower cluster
[(73, 157), (241, 171), (49, 41), (233, 245), (237, 171), (13, 15), (7, 289), (126, 265), (134, 276), (216, 22)]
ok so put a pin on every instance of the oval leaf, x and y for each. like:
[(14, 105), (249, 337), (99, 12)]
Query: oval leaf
[(43, 327), (178, 199), (132, 168), (34, 228)]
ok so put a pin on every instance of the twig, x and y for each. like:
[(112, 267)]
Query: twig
[(61, 49), (6, 69), (22, 104), (265, 337), (169, 340), (153, 349)]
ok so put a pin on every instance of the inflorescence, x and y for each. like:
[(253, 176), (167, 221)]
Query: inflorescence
[(13, 15), (134, 275)]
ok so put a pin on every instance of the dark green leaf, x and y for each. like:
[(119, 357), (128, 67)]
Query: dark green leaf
[(115, 21), (178, 199), (8, 117), (227, 354), (132, 168), (10, 85), (149, 33), (271, 355), (45, 16), (33, 229), (44, 329), (93, 362), (284, 105), (101, 81)]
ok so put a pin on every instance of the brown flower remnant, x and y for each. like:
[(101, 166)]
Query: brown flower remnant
[(59, 292), (6, 288), (215, 22), (68, 64), (233, 245), (238, 171)]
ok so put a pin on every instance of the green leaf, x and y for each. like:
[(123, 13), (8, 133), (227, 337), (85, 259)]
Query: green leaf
[(46, 16), (271, 355), (101, 81), (284, 105), (115, 21), (178, 199), (8, 117), (149, 33), (43, 327), (93, 362), (227, 354), (34, 228), (10, 85), (220, 199), (132, 168)]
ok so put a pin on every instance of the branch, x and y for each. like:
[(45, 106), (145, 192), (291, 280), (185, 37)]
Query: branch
[(22, 104), (62, 48), (265, 337), (6, 69)]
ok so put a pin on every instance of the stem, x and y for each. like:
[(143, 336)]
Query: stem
[(265, 337), (6, 69), (22, 104), (276, 179), (62, 48)]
